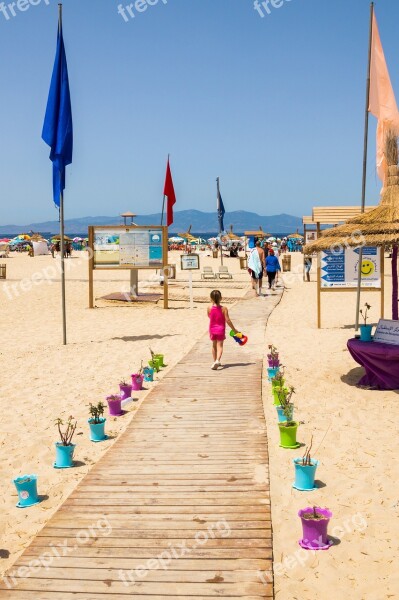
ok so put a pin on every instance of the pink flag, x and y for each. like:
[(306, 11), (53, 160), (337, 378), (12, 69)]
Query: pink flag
[(382, 98)]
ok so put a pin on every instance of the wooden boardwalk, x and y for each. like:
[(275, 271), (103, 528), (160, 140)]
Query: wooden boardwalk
[(179, 507)]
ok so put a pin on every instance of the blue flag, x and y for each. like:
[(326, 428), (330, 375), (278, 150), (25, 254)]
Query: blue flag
[(57, 127), (221, 212)]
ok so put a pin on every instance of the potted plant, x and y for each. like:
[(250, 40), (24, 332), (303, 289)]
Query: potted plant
[(288, 428), (64, 449), (315, 522), (305, 471), (97, 422), (148, 373), (114, 405), (125, 390), (155, 362), (272, 357), (137, 379), (27, 490), (278, 385), (365, 329)]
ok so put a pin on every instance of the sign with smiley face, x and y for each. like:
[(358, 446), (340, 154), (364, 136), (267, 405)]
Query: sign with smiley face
[(339, 268)]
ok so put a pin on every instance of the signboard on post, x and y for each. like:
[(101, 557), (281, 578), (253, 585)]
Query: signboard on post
[(340, 269), (128, 247), (387, 332), (190, 262), (337, 271)]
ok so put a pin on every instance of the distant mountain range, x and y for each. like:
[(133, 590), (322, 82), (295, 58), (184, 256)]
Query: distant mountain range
[(201, 222)]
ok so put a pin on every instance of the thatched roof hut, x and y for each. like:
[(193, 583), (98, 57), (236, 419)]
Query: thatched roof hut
[(187, 236), (378, 227)]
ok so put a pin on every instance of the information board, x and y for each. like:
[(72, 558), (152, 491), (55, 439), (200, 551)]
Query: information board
[(136, 247), (189, 262), (387, 332), (339, 269)]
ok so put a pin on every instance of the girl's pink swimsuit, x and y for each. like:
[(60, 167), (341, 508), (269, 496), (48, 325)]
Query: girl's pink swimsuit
[(217, 324)]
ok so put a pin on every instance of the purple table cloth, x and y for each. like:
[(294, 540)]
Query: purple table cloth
[(381, 362)]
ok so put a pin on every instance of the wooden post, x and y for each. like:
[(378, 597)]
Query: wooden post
[(382, 268), (165, 270), (318, 290), (91, 267)]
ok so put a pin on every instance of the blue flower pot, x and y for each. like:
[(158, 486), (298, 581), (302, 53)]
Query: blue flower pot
[(27, 490), (281, 416), (304, 476), (148, 373), (272, 372), (64, 456), (365, 333), (97, 430)]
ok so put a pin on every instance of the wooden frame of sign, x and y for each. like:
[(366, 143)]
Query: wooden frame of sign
[(162, 263)]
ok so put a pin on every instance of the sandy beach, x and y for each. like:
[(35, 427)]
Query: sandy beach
[(357, 449), (42, 380), (356, 442)]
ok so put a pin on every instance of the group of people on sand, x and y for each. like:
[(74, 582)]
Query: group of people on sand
[(262, 262)]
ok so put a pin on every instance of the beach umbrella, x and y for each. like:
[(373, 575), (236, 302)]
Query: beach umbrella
[(378, 227), (77, 239), (232, 236), (296, 236), (187, 236), (5, 241), (175, 239), (56, 238)]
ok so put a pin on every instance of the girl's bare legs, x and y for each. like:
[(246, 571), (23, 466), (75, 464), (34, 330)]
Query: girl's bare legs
[(219, 350), (214, 350)]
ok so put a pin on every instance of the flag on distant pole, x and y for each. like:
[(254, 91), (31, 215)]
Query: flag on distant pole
[(57, 127), (220, 208), (58, 134), (382, 102), (169, 193)]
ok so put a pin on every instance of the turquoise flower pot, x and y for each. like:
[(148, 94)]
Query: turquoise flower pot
[(272, 372), (365, 333), (97, 430), (148, 373), (304, 475), (63, 456), (27, 490), (281, 416)]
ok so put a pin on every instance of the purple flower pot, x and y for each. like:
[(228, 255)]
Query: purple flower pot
[(114, 405), (126, 391), (137, 382), (273, 363), (315, 531)]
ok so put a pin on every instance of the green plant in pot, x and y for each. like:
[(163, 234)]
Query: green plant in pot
[(278, 384), (64, 449), (289, 427), (154, 363), (365, 329), (97, 422)]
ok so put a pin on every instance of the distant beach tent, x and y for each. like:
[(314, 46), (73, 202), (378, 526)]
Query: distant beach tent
[(253, 236)]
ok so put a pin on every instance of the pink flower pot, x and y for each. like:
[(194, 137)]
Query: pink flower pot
[(137, 382), (126, 391), (114, 405)]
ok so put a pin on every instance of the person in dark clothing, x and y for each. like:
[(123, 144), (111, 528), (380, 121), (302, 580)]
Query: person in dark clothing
[(272, 267)]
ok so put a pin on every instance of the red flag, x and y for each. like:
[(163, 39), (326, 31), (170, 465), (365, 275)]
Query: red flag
[(169, 191)]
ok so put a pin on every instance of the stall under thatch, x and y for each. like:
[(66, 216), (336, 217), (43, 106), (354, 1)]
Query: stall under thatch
[(378, 227)]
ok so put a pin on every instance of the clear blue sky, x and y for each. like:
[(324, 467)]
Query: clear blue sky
[(273, 105)]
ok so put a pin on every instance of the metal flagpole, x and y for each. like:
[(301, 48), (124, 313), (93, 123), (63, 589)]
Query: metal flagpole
[(218, 206), (163, 202), (62, 240), (366, 132)]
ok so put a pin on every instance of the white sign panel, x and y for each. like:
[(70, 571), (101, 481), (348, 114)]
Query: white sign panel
[(339, 269), (387, 332), (189, 262)]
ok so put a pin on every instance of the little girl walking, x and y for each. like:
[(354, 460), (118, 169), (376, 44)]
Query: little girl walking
[(218, 317)]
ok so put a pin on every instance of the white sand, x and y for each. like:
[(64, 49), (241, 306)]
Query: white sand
[(358, 457), (42, 380)]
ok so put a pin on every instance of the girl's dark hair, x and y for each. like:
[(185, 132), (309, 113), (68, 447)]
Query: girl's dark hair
[(216, 297)]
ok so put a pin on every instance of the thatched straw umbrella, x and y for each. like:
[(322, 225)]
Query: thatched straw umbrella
[(232, 236), (187, 236), (378, 227)]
